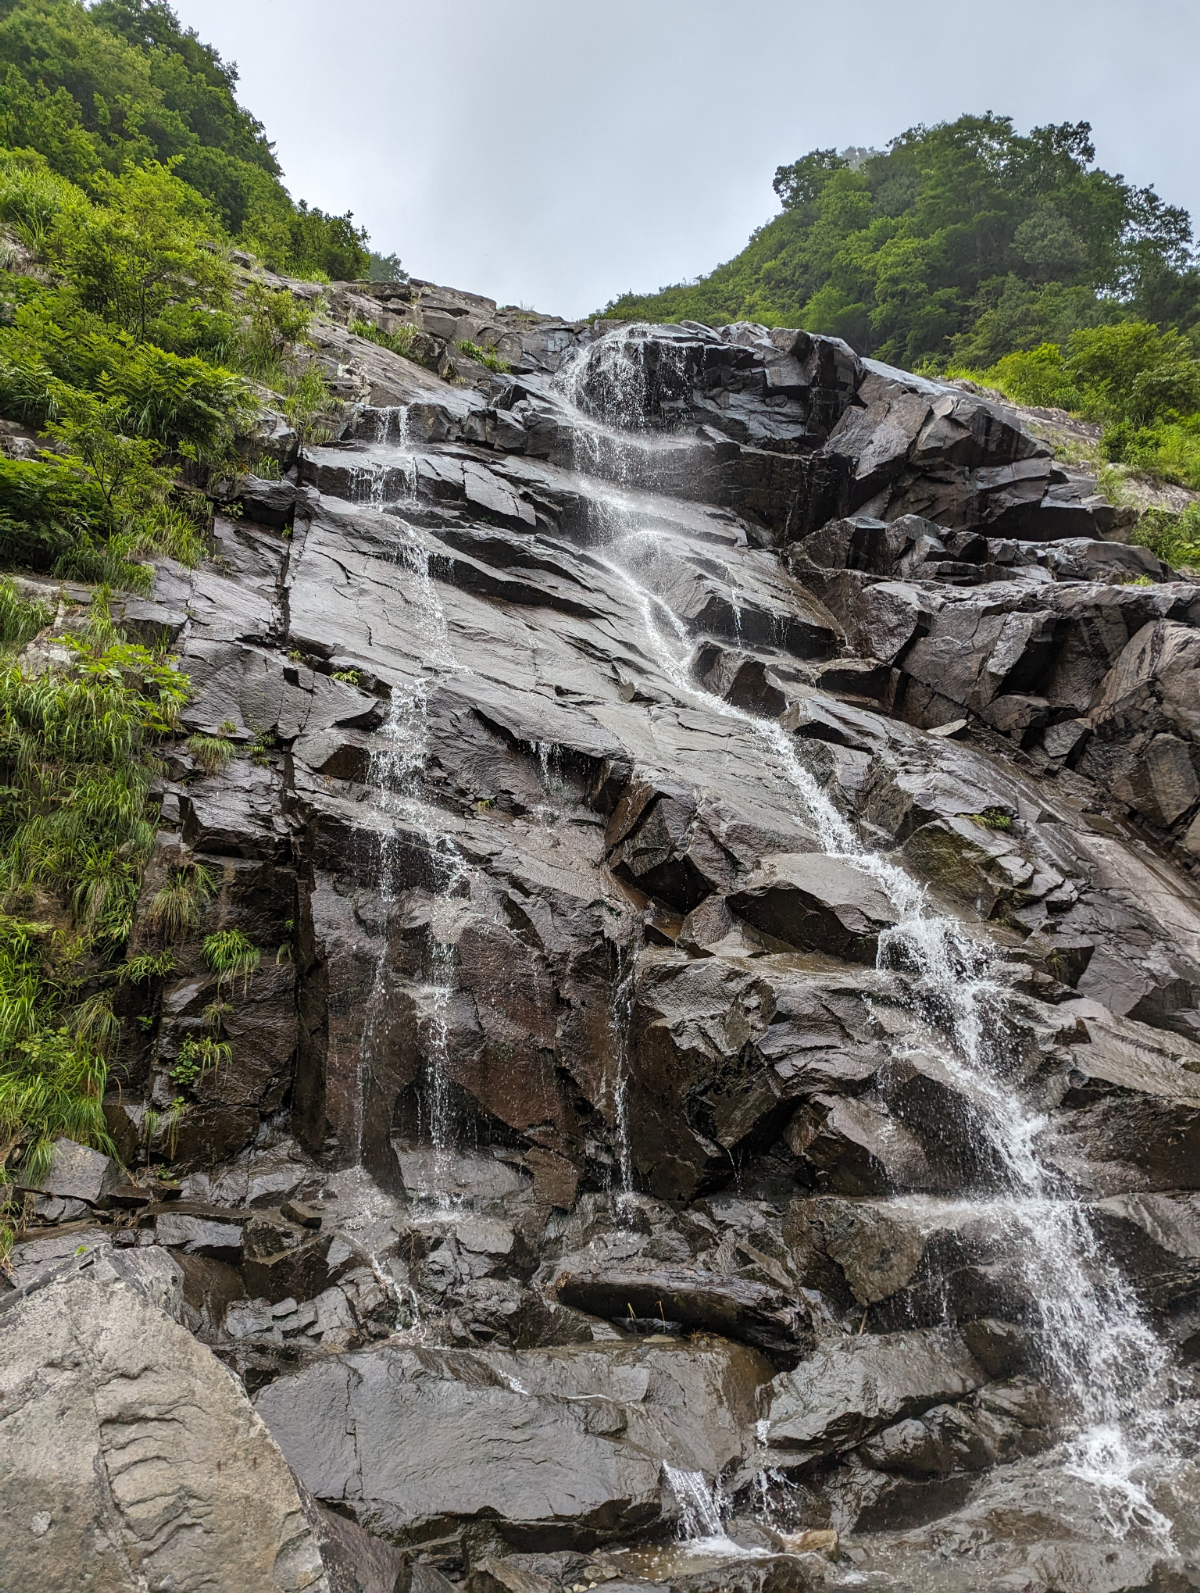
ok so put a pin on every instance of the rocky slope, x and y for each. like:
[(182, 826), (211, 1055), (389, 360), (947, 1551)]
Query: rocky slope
[(720, 821)]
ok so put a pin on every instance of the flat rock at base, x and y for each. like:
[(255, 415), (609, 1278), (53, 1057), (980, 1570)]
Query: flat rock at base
[(556, 1446), (131, 1459)]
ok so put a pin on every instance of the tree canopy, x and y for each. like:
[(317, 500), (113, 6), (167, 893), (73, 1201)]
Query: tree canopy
[(119, 83), (965, 241)]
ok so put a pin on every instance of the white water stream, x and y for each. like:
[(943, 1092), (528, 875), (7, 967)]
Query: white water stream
[(398, 757), (1097, 1349)]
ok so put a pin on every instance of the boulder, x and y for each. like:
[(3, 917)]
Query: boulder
[(77, 1172), (816, 903), (555, 1447), (130, 1456), (850, 1388), (749, 1312)]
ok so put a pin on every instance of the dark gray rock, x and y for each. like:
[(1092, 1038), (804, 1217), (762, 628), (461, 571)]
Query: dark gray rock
[(78, 1173), (816, 904), (850, 1388), (509, 1434), (749, 1312), (557, 979)]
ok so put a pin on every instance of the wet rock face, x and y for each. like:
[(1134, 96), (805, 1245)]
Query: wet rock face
[(717, 820), (557, 1447)]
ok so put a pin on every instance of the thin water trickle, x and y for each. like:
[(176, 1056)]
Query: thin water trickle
[(623, 990), (699, 1508), (1097, 1349), (398, 758)]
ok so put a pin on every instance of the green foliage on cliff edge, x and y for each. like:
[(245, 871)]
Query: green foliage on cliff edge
[(127, 337), (76, 829), (120, 83), (965, 241), (1140, 381)]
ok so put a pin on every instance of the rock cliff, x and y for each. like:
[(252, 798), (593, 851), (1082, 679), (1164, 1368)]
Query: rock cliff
[(720, 820)]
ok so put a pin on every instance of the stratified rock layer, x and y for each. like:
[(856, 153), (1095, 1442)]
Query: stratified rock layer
[(129, 1458)]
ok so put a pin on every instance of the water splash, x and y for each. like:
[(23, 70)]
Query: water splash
[(699, 1507)]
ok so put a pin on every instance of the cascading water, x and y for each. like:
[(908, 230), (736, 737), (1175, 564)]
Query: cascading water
[(398, 760), (1096, 1348)]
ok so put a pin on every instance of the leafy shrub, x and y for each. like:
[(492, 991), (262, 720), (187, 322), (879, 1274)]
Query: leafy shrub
[(149, 242), (56, 352), (71, 753), (45, 509), (1143, 382), (196, 1055), (273, 321), (1174, 538), (308, 405), (1167, 451), (32, 197), (51, 1084)]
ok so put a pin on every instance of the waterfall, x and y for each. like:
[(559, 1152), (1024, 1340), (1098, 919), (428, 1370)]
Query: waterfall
[(1096, 1348), (398, 757)]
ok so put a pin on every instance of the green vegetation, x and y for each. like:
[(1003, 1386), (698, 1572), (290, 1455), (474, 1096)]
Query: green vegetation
[(1141, 381), (132, 334), (178, 905), (212, 753), (195, 1056), (484, 356), (965, 241), (114, 85), (231, 956), (1175, 538), (993, 819), (402, 341), (385, 268), (76, 828)]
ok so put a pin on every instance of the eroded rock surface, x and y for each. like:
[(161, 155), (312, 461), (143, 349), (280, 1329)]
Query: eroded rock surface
[(128, 1455)]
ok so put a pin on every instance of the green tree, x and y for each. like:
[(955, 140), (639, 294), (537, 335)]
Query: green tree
[(150, 241), (966, 240)]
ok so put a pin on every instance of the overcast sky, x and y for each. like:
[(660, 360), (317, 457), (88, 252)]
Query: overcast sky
[(554, 153)]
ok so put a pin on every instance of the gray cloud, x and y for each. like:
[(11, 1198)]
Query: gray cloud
[(557, 152)]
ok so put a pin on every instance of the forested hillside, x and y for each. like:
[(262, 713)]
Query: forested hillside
[(970, 249), (93, 89), (966, 241)]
